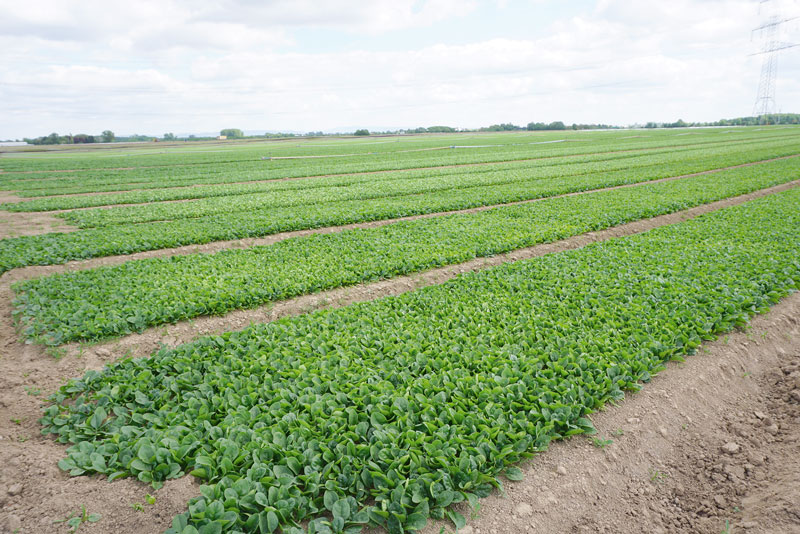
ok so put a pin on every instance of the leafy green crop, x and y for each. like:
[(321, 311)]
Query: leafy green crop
[(244, 163), (232, 198), (59, 248), (548, 167), (95, 303), (390, 411)]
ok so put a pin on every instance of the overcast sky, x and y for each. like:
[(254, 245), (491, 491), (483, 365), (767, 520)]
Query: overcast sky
[(156, 66)]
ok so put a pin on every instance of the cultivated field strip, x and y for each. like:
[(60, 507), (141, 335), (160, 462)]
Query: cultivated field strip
[(286, 194), (138, 178), (110, 301), (173, 334), (389, 412), (536, 168), (123, 156), (60, 248)]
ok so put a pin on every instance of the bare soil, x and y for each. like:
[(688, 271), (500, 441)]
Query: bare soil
[(31, 223)]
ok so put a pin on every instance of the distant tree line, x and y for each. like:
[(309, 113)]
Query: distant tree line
[(70, 139), (430, 129), (543, 126), (235, 133), (777, 118)]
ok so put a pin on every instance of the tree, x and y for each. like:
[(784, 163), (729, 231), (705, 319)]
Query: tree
[(169, 137), (232, 133), (363, 131), (107, 136), (83, 138)]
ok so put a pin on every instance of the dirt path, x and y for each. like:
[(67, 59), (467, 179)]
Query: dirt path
[(665, 468)]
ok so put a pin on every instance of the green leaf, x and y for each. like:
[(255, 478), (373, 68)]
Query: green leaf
[(210, 528), (514, 473), (341, 508), (416, 522), (272, 521), (330, 498), (457, 519)]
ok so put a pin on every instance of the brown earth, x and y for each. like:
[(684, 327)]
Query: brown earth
[(31, 223), (664, 469)]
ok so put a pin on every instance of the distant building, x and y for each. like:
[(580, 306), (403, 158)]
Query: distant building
[(222, 137)]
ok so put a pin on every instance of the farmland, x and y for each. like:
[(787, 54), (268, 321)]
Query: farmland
[(395, 412)]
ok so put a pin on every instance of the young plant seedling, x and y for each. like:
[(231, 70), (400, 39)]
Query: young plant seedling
[(76, 519), (601, 443), (657, 476)]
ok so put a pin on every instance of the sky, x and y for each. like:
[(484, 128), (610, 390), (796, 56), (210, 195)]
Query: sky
[(197, 66)]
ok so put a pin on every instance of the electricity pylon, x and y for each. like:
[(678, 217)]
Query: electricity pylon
[(769, 34)]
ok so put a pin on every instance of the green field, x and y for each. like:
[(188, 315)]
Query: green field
[(390, 411)]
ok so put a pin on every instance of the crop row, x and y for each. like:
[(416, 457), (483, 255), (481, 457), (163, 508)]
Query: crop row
[(57, 248), (178, 176), (390, 411), (639, 169), (108, 301), (577, 165)]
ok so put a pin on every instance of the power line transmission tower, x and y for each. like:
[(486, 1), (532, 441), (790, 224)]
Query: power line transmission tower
[(769, 34)]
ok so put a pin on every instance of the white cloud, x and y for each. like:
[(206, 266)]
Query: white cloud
[(198, 66)]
